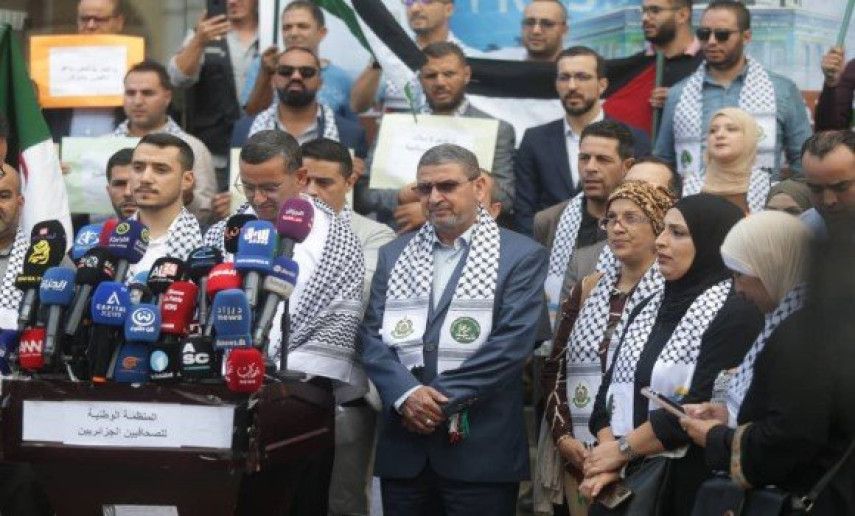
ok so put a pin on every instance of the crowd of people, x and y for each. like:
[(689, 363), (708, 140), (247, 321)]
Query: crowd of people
[(707, 264)]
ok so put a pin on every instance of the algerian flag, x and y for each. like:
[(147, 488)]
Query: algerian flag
[(30, 143)]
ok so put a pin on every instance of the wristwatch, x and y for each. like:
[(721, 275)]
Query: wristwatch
[(626, 450)]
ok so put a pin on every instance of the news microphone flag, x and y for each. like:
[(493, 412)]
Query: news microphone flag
[(56, 292), (244, 370), (143, 324), (256, 249), (86, 239), (294, 223), (232, 319), (279, 285), (31, 349)]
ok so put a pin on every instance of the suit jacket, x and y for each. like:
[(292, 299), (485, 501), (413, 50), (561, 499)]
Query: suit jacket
[(542, 170), (489, 383)]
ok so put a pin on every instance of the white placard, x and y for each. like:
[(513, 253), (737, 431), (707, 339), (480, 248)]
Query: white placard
[(403, 139), (128, 424), (86, 180), (82, 71)]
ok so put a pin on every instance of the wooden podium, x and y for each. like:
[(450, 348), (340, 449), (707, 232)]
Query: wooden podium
[(82, 440)]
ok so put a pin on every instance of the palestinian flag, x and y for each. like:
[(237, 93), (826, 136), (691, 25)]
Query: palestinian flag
[(31, 149)]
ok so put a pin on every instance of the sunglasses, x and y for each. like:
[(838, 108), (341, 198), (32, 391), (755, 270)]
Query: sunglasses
[(443, 187), (543, 22), (721, 35), (306, 72)]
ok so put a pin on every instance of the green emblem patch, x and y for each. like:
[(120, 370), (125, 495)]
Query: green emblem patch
[(685, 158), (465, 330), (580, 396), (403, 328)]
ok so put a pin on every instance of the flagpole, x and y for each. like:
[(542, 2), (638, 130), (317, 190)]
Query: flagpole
[(844, 27), (660, 71)]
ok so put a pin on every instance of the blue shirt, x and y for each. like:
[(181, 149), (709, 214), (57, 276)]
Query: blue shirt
[(793, 125)]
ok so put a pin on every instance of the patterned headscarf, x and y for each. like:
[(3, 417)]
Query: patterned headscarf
[(732, 177), (653, 201)]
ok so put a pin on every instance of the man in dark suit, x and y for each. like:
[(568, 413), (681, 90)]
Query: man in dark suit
[(451, 320), (546, 167), (443, 78)]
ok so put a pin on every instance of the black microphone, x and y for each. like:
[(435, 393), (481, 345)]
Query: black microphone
[(233, 226), (165, 271), (42, 254), (199, 264), (96, 265)]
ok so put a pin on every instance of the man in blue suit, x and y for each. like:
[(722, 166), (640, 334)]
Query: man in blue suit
[(546, 166), (451, 320)]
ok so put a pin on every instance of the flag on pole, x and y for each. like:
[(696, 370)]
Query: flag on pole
[(31, 149)]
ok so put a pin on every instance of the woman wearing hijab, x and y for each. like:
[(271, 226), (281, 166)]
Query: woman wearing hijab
[(676, 342), (595, 310), (730, 155), (790, 196), (760, 433)]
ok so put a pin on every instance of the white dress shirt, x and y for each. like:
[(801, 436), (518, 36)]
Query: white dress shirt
[(572, 140)]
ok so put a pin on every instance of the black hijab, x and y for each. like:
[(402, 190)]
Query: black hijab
[(709, 219)]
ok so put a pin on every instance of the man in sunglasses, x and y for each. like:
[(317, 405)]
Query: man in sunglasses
[(730, 78), (451, 321), (828, 159)]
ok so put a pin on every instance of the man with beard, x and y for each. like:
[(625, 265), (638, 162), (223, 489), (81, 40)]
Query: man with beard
[(730, 78), (443, 78), (546, 167), (828, 159), (118, 183), (544, 27)]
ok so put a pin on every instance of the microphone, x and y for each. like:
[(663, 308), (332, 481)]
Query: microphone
[(244, 370), (256, 249), (177, 306), (31, 349), (138, 289), (109, 307), (131, 364), (198, 358), (55, 292), (223, 276), (233, 226), (294, 224), (279, 285), (86, 239), (96, 266), (142, 327), (164, 272), (128, 243), (232, 319), (49, 230), (43, 253), (8, 350), (143, 324), (200, 262), (106, 229)]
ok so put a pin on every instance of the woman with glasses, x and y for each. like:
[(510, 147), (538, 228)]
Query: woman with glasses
[(594, 312), (676, 342)]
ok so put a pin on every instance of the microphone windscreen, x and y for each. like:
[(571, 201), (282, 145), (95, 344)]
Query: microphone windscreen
[(245, 370), (86, 239), (41, 255), (132, 363), (201, 260), (282, 278), (295, 219), (106, 230), (165, 271), (257, 246), (177, 308), (110, 304), (96, 265), (143, 324), (128, 241), (31, 349), (232, 232), (222, 277), (232, 319), (49, 230), (57, 287), (198, 358)]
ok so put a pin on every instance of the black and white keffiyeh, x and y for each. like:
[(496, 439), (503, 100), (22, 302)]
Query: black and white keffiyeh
[(792, 302), (759, 184), (469, 319), (675, 366), (170, 128), (10, 295), (757, 98), (583, 358), (563, 247), (269, 119), (183, 235)]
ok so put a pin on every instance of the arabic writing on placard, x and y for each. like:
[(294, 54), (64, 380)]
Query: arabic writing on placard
[(79, 71)]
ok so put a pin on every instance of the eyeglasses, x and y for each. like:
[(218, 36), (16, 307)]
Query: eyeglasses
[(270, 191), (306, 72), (546, 23), (98, 20), (838, 187), (627, 220), (656, 10), (721, 35), (443, 187), (410, 3)]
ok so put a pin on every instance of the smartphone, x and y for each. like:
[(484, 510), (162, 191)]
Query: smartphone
[(215, 8), (663, 401), (614, 494)]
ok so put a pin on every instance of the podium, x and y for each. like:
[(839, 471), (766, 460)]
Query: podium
[(183, 447)]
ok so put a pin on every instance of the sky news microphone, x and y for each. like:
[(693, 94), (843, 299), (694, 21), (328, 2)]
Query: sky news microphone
[(56, 292), (223, 276), (142, 328), (294, 224), (42, 254), (96, 266), (256, 249), (31, 349), (8, 349), (232, 320), (128, 243), (232, 233), (106, 230), (176, 311), (278, 285), (200, 262), (165, 271), (86, 239), (109, 307), (245, 370)]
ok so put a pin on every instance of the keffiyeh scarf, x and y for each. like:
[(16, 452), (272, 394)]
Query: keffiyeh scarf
[(170, 128), (269, 119), (183, 236), (10, 296), (675, 366), (563, 247), (469, 319)]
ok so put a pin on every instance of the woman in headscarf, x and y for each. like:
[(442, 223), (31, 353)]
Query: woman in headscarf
[(760, 433), (595, 310), (729, 157), (676, 342), (790, 196)]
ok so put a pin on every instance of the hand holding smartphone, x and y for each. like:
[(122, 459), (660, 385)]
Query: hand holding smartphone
[(672, 407)]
